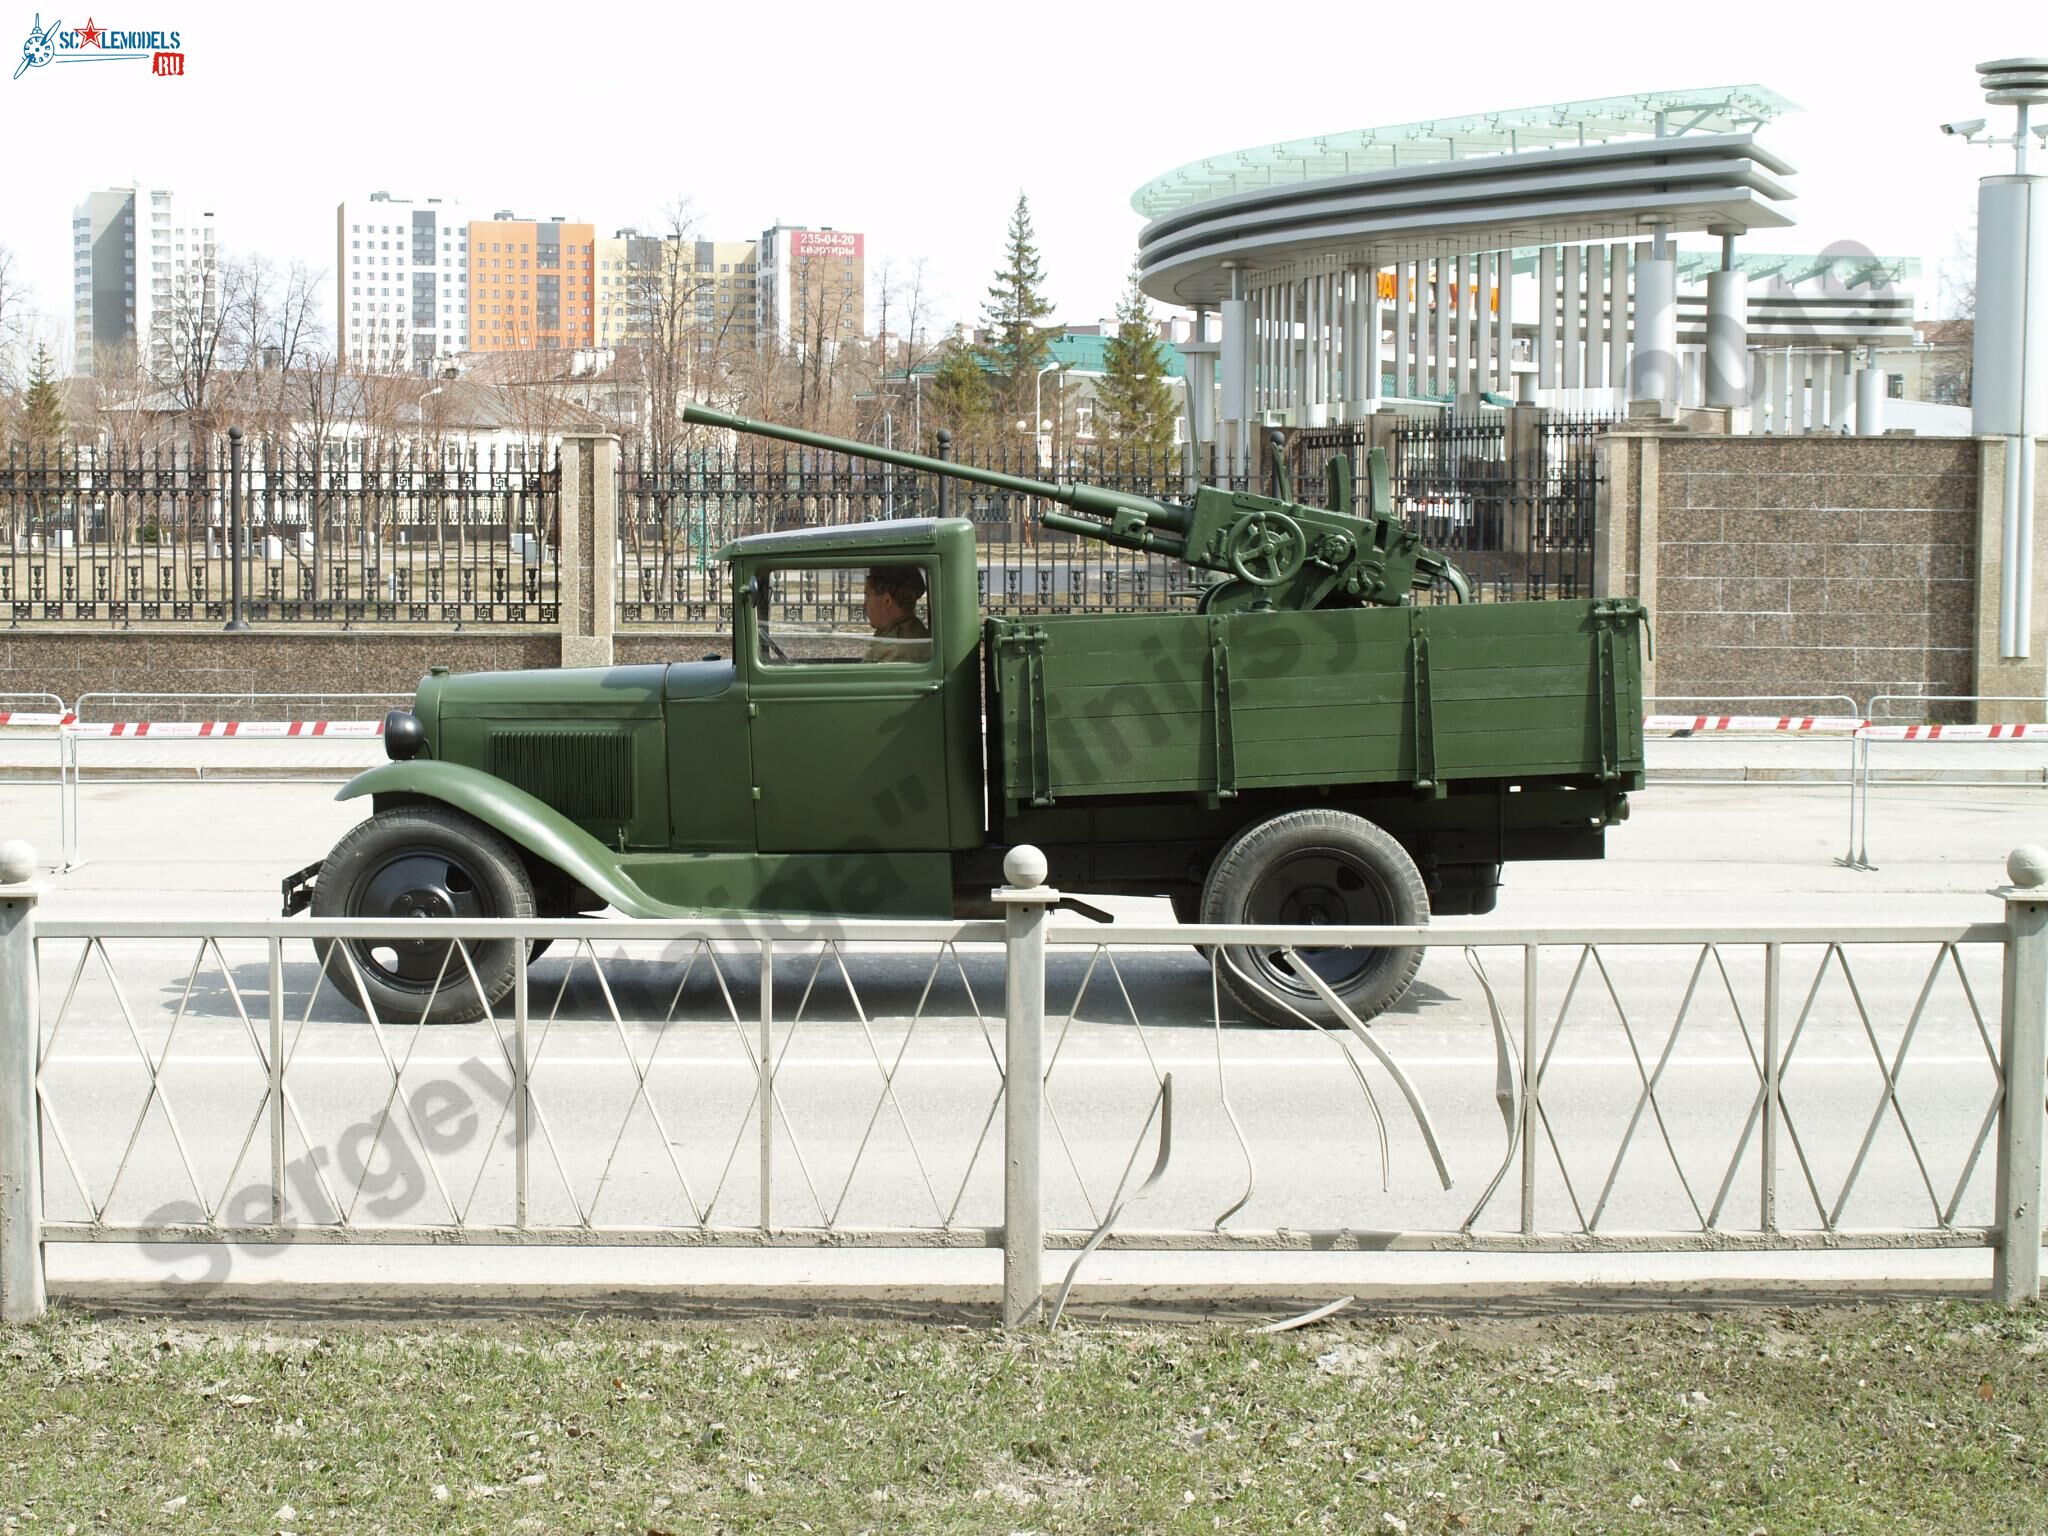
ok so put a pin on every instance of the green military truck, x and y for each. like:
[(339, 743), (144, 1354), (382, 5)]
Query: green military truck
[(1305, 744)]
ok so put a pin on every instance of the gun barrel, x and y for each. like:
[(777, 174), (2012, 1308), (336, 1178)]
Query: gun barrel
[(709, 418), (1083, 498)]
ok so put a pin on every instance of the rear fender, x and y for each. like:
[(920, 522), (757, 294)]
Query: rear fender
[(530, 822)]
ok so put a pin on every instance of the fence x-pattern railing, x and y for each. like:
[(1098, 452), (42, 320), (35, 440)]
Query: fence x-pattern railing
[(190, 1085)]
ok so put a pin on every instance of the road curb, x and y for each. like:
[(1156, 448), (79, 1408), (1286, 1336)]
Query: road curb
[(949, 1302)]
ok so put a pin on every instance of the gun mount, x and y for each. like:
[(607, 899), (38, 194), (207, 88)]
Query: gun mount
[(1275, 552)]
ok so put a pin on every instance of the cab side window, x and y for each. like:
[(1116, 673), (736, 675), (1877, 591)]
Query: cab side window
[(842, 615)]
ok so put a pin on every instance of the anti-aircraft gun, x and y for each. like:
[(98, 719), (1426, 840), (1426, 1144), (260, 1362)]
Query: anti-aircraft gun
[(1276, 552)]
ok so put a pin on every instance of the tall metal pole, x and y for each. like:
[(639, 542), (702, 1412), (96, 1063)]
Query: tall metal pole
[(2023, 1053), (235, 620), (21, 1138), (2009, 364), (1027, 901)]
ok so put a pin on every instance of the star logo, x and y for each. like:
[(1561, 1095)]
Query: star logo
[(89, 35)]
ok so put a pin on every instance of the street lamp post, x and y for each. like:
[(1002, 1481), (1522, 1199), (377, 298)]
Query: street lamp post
[(1038, 412), (421, 412)]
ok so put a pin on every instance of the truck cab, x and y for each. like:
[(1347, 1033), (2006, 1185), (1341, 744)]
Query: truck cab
[(823, 767)]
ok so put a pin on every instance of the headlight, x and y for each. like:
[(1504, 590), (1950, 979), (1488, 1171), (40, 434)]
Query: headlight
[(404, 737)]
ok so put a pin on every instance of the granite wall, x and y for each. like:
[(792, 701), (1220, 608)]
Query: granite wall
[(1792, 567), (69, 663)]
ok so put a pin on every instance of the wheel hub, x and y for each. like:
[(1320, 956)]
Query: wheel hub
[(416, 883), (1318, 888)]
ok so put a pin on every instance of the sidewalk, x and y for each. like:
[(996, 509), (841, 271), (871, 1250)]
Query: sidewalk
[(1706, 758)]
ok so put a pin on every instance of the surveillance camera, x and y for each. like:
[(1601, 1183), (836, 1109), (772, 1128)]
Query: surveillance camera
[(1966, 127)]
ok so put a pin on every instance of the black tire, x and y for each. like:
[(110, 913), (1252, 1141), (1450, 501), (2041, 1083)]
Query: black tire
[(1316, 867), (421, 860)]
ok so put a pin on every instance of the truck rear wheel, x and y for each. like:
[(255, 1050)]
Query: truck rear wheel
[(1320, 868), (421, 861)]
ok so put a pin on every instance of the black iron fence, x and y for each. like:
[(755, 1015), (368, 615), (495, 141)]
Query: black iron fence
[(675, 515), (336, 536), (350, 537), (1512, 500)]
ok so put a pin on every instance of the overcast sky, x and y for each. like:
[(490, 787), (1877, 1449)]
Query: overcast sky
[(920, 123)]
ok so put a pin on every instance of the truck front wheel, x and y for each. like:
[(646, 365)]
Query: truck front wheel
[(411, 862), (1317, 868)]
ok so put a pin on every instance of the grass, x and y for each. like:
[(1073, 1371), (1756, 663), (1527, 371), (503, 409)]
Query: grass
[(1914, 1418)]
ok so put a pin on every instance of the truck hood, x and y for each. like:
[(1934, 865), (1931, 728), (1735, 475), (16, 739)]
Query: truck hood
[(608, 693)]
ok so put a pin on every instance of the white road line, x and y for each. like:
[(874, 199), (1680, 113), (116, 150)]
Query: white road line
[(953, 1064)]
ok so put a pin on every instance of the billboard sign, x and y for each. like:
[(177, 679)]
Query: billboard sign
[(824, 242)]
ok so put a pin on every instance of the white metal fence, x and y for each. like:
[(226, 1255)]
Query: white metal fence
[(199, 1085)]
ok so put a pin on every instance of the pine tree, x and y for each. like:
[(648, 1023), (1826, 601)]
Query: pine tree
[(1016, 303), (1133, 398), (42, 407), (962, 400)]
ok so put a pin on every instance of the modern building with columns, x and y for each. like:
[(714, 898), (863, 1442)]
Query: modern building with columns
[(1524, 255)]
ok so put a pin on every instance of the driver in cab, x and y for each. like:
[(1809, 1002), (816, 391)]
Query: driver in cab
[(890, 599)]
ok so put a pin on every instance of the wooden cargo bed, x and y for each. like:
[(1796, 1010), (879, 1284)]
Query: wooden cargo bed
[(1092, 705)]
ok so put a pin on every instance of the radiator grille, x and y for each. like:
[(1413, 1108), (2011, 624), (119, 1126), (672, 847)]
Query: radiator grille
[(586, 775)]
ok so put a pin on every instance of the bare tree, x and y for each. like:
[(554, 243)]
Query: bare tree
[(682, 337), (120, 389), (275, 333), (826, 319), (13, 320), (192, 344), (905, 342)]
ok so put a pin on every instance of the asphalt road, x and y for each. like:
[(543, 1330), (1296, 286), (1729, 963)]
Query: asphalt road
[(1302, 1151)]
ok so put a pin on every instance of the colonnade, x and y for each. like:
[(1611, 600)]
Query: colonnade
[(1319, 345)]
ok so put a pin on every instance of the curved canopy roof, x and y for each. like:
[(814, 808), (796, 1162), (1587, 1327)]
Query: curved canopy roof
[(1658, 114), (1722, 183)]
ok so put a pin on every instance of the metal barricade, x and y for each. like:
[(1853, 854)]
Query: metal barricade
[(1842, 720), (1902, 718), (191, 718), (42, 717)]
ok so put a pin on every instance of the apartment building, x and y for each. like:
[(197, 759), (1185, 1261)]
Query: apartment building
[(713, 288), (629, 266), (144, 274), (532, 285), (402, 294), (812, 286)]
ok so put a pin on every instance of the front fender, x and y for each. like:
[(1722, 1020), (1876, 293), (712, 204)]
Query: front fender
[(532, 823)]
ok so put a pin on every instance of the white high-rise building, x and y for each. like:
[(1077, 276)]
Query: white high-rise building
[(144, 275), (402, 289)]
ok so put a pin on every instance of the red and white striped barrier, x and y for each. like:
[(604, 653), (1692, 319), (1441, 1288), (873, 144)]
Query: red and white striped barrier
[(1842, 725), (102, 730), (1954, 733), (1748, 724), (33, 717)]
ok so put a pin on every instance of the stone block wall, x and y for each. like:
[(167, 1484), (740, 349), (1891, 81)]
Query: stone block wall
[(1796, 567), (74, 662)]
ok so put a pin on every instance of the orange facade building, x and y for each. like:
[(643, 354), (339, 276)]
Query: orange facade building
[(530, 285)]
